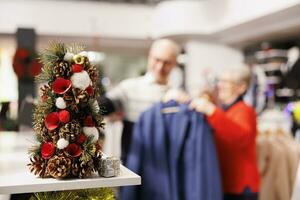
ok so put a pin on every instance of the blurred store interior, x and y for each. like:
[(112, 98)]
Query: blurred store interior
[(117, 34)]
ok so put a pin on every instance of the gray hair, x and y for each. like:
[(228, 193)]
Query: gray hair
[(241, 73), (166, 42)]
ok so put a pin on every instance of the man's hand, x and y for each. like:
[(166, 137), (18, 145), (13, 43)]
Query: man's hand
[(113, 117), (178, 95), (203, 105)]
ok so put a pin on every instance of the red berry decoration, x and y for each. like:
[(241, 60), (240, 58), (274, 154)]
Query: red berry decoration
[(64, 116), (47, 150), (77, 68), (73, 150), (43, 98), (90, 90), (89, 121), (61, 85), (98, 146), (52, 121), (81, 139)]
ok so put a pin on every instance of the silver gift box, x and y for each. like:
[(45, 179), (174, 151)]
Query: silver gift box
[(109, 167)]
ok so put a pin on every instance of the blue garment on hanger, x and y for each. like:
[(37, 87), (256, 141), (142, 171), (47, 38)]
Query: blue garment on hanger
[(175, 156)]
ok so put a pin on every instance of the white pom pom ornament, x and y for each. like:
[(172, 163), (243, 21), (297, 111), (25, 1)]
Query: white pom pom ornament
[(81, 80), (68, 57), (62, 143), (91, 131), (60, 103), (84, 53)]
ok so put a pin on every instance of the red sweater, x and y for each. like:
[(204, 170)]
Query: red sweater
[(235, 131)]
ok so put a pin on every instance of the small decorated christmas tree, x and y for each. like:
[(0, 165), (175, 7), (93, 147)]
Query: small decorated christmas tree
[(67, 118)]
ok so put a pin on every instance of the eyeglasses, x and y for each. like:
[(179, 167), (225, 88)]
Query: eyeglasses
[(230, 81)]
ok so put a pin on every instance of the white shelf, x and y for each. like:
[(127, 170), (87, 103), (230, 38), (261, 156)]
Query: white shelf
[(16, 178), (23, 182)]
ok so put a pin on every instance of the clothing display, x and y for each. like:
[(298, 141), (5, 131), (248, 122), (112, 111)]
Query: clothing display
[(175, 155), (278, 157), (296, 190), (235, 132), (255, 95), (124, 98)]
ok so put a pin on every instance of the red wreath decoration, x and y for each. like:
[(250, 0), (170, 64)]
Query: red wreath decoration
[(52, 121), (61, 85), (73, 150), (81, 139), (64, 116), (77, 68), (90, 90), (25, 64), (47, 150), (89, 121)]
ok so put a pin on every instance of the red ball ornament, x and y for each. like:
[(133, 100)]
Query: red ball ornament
[(44, 98), (81, 139), (64, 116), (22, 53), (98, 146), (89, 121), (61, 85), (77, 68), (90, 90), (52, 121), (35, 68), (73, 150), (47, 150)]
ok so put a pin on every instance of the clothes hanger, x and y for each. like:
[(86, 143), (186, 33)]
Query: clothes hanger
[(172, 109)]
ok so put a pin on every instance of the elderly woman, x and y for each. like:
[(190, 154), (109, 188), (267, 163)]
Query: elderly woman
[(234, 125)]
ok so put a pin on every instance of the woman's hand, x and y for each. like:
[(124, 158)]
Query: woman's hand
[(203, 105)]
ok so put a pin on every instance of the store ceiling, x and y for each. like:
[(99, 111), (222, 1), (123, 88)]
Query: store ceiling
[(147, 2)]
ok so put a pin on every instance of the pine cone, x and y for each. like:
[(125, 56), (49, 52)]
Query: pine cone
[(69, 97), (70, 100), (62, 69), (99, 121), (59, 166), (45, 90), (97, 160), (81, 97), (41, 131), (54, 136), (70, 130), (38, 166), (82, 169), (93, 73)]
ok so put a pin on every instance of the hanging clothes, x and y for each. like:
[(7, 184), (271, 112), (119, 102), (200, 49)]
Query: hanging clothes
[(278, 157), (175, 155)]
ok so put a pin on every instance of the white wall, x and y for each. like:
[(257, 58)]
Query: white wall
[(8, 79), (204, 58), (211, 16), (76, 18), (112, 20)]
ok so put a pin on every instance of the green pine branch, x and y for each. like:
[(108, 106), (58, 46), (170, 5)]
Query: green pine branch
[(43, 108), (75, 48), (49, 57), (89, 150), (34, 151), (88, 194)]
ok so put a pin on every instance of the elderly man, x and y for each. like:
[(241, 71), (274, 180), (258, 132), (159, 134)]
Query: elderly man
[(135, 95)]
